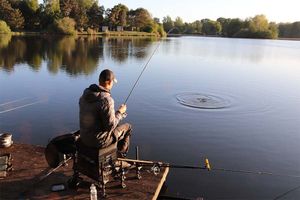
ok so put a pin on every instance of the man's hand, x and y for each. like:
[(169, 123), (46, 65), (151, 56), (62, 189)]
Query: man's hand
[(122, 109)]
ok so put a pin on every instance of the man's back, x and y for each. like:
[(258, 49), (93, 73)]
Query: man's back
[(97, 117)]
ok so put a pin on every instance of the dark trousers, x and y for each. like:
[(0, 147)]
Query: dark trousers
[(122, 134)]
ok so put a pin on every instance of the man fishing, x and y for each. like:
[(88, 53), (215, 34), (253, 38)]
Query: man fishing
[(99, 122)]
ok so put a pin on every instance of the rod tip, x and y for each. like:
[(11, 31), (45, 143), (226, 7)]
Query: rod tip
[(207, 165)]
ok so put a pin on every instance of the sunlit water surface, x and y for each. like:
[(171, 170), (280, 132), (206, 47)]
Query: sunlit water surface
[(258, 81)]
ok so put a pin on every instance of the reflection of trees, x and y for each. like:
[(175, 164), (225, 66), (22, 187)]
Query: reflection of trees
[(120, 49), (75, 55), (12, 53), (4, 40)]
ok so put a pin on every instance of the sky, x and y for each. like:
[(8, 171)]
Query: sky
[(191, 10)]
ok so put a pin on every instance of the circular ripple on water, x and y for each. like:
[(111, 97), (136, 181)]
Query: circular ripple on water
[(202, 101)]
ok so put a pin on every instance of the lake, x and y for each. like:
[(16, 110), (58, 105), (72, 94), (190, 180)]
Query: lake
[(256, 82)]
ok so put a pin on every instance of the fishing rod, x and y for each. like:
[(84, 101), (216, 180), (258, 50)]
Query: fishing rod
[(41, 178), (62, 163), (207, 166), (144, 68)]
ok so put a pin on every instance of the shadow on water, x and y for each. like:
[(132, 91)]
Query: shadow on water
[(75, 55)]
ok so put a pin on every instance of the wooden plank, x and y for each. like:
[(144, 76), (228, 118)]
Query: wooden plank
[(162, 180), (30, 165)]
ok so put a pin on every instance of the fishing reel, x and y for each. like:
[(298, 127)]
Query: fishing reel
[(155, 169)]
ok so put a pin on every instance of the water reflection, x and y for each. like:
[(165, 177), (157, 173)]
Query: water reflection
[(120, 49), (74, 55)]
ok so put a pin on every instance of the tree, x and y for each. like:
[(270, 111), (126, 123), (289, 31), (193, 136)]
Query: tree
[(118, 15), (157, 20), (224, 23), (87, 4), (4, 28), (178, 23), (273, 29), (168, 24), (233, 27), (65, 25), (295, 30), (51, 7), (29, 9), (140, 18), (289, 30), (72, 9), (198, 26), (258, 23), (13, 17), (79, 14), (211, 27), (66, 7), (95, 16), (49, 12)]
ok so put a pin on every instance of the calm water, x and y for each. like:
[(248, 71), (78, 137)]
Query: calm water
[(41, 79)]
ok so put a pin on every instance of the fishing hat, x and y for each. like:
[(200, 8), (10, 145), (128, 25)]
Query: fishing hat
[(107, 75)]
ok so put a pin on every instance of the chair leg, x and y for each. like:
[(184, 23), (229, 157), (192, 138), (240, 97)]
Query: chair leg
[(123, 185), (137, 166), (102, 181)]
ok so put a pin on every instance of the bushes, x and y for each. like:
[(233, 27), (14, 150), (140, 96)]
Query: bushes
[(91, 31), (154, 28), (4, 28), (65, 25)]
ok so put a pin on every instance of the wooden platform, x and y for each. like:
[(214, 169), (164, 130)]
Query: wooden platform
[(29, 165)]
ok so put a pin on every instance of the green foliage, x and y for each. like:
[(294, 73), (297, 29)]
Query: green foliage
[(33, 5), (31, 13), (87, 4), (168, 23), (178, 23), (118, 15), (258, 27), (259, 23), (4, 28), (161, 31), (51, 7), (13, 17), (28, 14), (211, 27), (140, 18), (95, 16), (289, 30), (65, 25)]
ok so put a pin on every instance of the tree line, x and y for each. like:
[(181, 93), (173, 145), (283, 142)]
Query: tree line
[(69, 16), (255, 27)]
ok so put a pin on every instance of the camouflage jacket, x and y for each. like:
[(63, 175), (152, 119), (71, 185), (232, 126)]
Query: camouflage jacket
[(97, 117)]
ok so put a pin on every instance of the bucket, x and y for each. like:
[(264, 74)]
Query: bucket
[(5, 140)]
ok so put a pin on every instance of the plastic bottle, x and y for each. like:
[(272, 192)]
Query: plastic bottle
[(93, 192)]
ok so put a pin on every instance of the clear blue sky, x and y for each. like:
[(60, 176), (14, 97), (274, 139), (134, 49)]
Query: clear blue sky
[(191, 10)]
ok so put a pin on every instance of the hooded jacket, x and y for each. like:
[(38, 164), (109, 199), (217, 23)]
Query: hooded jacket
[(97, 117)]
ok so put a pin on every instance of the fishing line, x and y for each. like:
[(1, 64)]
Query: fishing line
[(145, 67), (19, 107), (142, 72), (284, 194), (9, 102)]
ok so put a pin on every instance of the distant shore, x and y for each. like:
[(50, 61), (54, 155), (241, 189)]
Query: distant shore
[(133, 34), (217, 36), (107, 33)]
